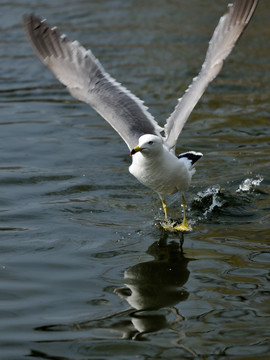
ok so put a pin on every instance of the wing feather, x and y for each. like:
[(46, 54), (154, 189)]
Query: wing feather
[(86, 79), (225, 36)]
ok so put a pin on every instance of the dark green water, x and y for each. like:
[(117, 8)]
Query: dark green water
[(84, 272)]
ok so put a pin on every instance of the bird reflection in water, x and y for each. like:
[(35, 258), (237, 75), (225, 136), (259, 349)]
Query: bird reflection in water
[(154, 285), (152, 289)]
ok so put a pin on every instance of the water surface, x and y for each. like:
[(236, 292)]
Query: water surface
[(84, 271)]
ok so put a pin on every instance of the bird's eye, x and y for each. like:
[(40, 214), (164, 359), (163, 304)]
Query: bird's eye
[(150, 143)]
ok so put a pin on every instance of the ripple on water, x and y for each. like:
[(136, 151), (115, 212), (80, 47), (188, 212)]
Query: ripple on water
[(80, 256)]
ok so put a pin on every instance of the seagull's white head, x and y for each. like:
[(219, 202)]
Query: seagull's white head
[(148, 144)]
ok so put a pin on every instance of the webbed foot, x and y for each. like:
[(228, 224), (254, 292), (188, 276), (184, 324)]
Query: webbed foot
[(173, 226)]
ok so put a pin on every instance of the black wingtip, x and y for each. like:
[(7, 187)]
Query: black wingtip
[(192, 156)]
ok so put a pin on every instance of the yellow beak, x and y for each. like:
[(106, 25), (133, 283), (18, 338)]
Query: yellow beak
[(135, 150)]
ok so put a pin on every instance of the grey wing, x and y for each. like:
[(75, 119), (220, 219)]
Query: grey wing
[(87, 81), (225, 36)]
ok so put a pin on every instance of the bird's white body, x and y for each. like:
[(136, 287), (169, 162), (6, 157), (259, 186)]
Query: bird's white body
[(159, 169)]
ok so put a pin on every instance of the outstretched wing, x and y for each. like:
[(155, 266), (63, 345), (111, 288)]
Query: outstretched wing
[(87, 81), (225, 36)]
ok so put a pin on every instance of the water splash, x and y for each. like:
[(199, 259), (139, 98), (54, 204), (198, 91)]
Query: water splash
[(209, 199), (215, 201), (249, 184)]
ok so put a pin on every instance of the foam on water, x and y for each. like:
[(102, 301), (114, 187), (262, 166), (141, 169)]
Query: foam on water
[(209, 199), (249, 184)]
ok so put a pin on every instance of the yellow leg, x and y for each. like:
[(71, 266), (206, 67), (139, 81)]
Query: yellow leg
[(184, 226), (172, 226), (166, 224), (165, 209), (184, 222)]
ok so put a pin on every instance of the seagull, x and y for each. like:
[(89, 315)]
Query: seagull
[(154, 162)]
